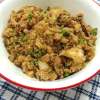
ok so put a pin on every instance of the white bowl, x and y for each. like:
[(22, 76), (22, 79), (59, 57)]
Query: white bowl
[(13, 74)]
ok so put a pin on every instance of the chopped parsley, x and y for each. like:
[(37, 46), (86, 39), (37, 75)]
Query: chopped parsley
[(30, 16), (94, 32), (66, 74), (82, 41), (35, 62), (38, 53), (64, 32), (23, 37)]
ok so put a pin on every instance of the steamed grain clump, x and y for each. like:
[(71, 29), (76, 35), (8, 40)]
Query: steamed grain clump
[(49, 44)]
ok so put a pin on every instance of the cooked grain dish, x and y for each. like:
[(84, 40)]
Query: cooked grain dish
[(49, 44)]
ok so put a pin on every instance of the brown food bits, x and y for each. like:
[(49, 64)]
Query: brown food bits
[(49, 44)]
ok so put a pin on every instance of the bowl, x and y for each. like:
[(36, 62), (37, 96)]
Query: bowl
[(13, 74)]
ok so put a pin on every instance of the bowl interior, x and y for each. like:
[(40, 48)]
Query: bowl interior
[(92, 17)]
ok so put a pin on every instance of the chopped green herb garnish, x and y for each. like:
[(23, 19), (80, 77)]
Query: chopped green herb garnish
[(62, 26), (38, 53), (94, 32), (66, 74), (64, 32), (30, 16), (22, 37), (22, 34), (35, 62), (82, 41)]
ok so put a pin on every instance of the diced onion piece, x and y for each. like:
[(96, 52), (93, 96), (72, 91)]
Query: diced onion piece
[(76, 54), (43, 65)]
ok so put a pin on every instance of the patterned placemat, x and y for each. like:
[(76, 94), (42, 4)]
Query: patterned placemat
[(87, 91)]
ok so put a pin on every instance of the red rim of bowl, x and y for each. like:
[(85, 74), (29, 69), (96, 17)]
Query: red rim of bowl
[(51, 89), (48, 89)]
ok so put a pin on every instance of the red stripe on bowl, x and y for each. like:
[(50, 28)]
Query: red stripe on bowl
[(48, 89)]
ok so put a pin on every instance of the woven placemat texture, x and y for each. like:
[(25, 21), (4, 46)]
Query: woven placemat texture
[(87, 91)]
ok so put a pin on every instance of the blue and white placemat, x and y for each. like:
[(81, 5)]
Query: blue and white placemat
[(97, 1), (87, 91)]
